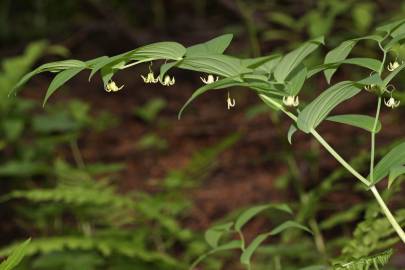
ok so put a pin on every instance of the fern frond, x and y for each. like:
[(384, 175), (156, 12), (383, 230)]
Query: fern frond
[(372, 235), (75, 195), (364, 263), (107, 245)]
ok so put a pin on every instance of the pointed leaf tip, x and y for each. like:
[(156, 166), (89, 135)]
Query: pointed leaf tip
[(60, 79)]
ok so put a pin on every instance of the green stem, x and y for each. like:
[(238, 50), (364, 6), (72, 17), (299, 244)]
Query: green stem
[(372, 154), (375, 192), (373, 189), (76, 154), (243, 246), (388, 214), (319, 241), (321, 140), (383, 60), (277, 263), (242, 240), (342, 161)]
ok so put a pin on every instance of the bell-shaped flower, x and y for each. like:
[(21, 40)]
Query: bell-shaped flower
[(112, 87), (369, 87), (167, 81), (210, 79), (150, 78), (392, 103), (393, 66), (291, 101)]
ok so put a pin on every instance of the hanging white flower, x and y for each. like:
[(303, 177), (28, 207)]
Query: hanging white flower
[(369, 87), (392, 103), (150, 78), (167, 81), (291, 101), (210, 79), (112, 87), (393, 66)]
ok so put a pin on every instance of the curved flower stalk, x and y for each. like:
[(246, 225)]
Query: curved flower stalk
[(231, 102), (276, 79)]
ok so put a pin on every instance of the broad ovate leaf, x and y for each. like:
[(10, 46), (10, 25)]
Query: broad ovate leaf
[(92, 62), (49, 67), (270, 66), (357, 120), (290, 61), (264, 64), (158, 51), (341, 52), (218, 64), (60, 79), (220, 84), (336, 55), (393, 158), (372, 79), (369, 63), (166, 50), (108, 71), (266, 88), (166, 67), (103, 62), (400, 30), (216, 46), (394, 41), (254, 82), (315, 112), (297, 80), (390, 27)]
